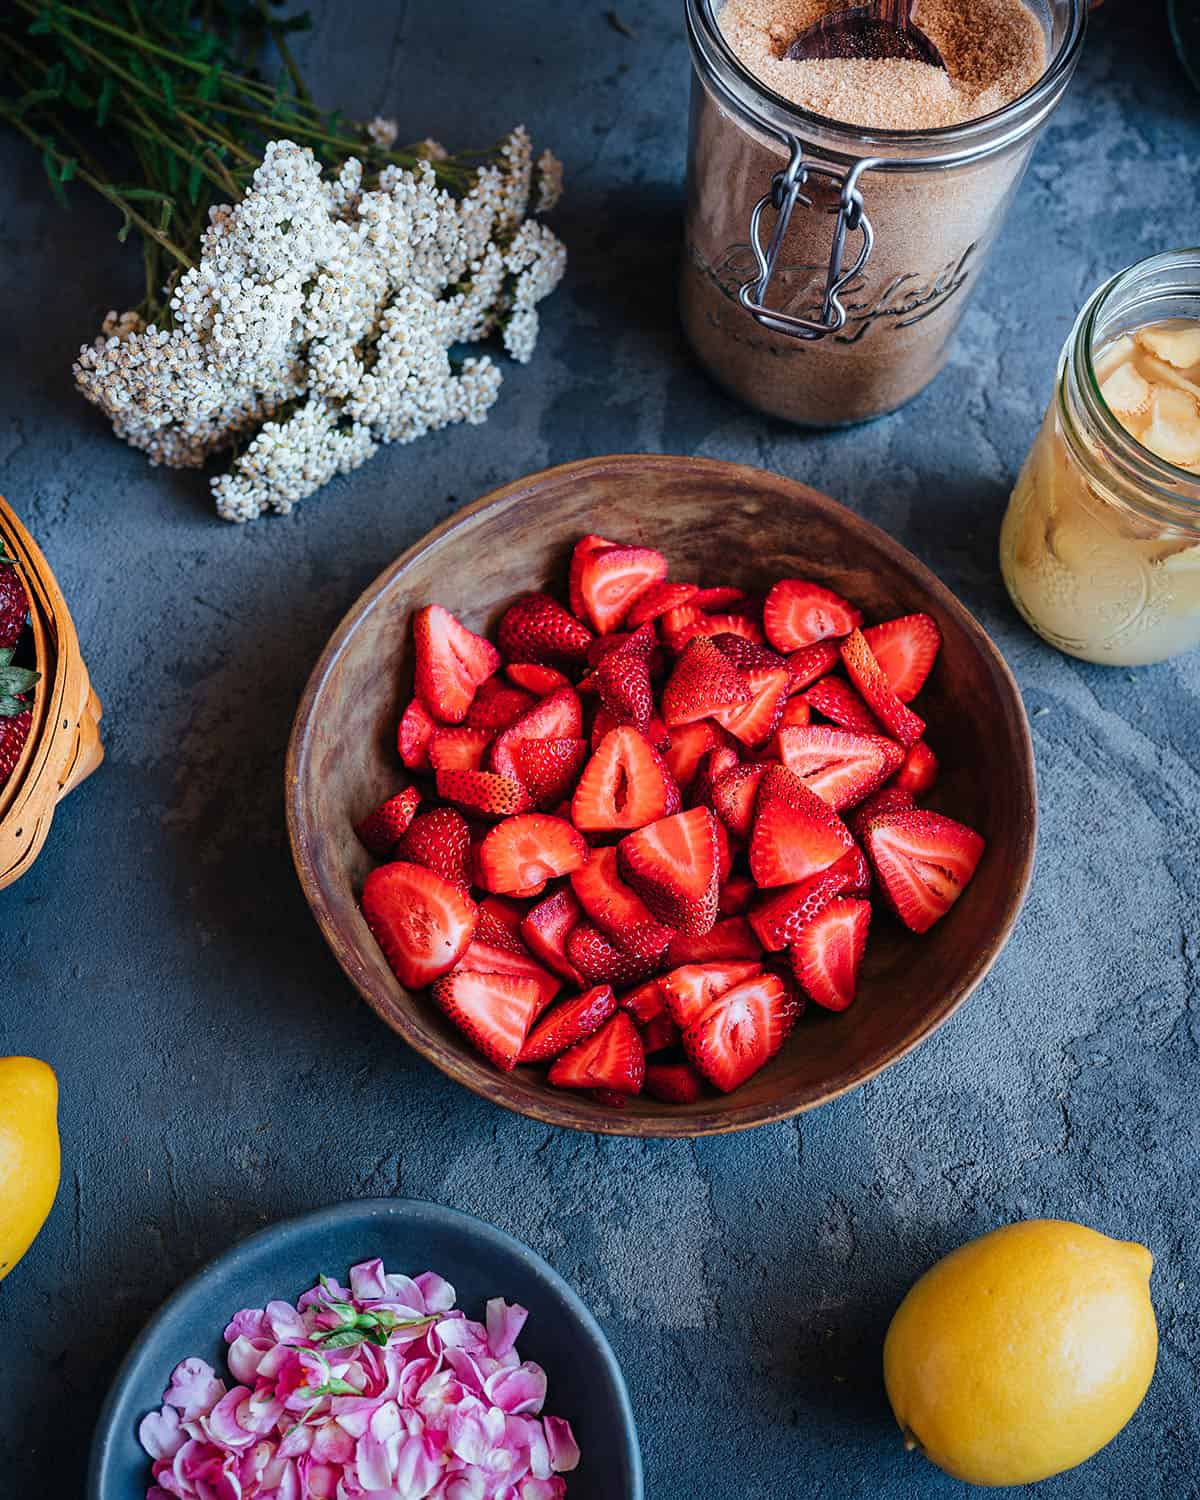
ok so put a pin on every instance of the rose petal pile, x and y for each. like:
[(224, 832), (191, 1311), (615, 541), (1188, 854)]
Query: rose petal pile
[(380, 1391)]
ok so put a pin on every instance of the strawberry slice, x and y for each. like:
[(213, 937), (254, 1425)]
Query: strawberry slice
[(655, 731), (737, 896), (924, 861), (583, 550), (798, 613), (422, 922), (677, 619), (691, 989), (499, 924), (919, 773), (558, 716), (569, 1023), (720, 597), (796, 713), (887, 799), (906, 649), (688, 744), (867, 676), (381, 830), (810, 663), (626, 784), (795, 833), (646, 1002), (493, 1011), (731, 939), (451, 662), (600, 962), (755, 722), (616, 909), (458, 749), (623, 682), (611, 1059), (735, 796), (750, 656), (715, 625), (703, 681), (657, 600), (828, 952), (741, 1031), (549, 768), (673, 865), (483, 793), (484, 958), (725, 853), (538, 629), (546, 927), (785, 913), (659, 1033), (837, 701), (497, 705), (841, 767), (527, 849), (535, 679), (712, 766), (440, 841), (612, 579), (674, 1083), (413, 736)]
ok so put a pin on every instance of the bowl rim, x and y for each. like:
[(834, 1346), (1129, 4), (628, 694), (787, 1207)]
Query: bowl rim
[(561, 1107), (352, 1211)]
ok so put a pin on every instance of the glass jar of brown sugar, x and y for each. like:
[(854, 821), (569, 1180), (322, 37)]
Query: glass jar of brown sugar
[(827, 265)]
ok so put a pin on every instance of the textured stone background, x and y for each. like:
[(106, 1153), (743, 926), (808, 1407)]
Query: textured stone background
[(218, 1072)]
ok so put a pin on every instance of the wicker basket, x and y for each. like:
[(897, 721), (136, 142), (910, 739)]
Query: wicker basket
[(64, 743)]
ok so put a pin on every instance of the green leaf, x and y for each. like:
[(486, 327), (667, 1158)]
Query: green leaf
[(195, 177), (344, 1338), (50, 162), (166, 209)]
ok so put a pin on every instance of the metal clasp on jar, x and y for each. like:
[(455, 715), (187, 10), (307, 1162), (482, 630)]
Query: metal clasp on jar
[(851, 217)]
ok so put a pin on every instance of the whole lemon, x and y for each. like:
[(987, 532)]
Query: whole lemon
[(29, 1159), (1023, 1352)]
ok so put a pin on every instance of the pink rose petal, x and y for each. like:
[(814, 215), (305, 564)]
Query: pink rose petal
[(564, 1450), (518, 1391), (194, 1388), (160, 1433)]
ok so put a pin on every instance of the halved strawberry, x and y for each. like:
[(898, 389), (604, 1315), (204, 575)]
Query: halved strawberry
[(623, 682), (440, 841), (755, 722), (451, 662), (749, 656), (626, 784), (612, 579), (569, 1023), (868, 677), (924, 861), (659, 1033), (538, 629), (413, 736), (583, 550), (837, 701), (795, 833), (906, 649), (459, 749), (730, 939), (677, 619), (497, 705), (712, 766), (483, 793), (784, 913), (645, 1002), (840, 766), (891, 798), (919, 773), (499, 924), (657, 600), (549, 768), (741, 1031), (796, 713), (524, 850), (486, 958), (735, 796), (688, 743), (538, 680), (616, 908), (493, 1011), (673, 866), (422, 922), (719, 597), (642, 643), (712, 625), (736, 897), (600, 962), (546, 927), (674, 1083), (612, 1059), (703, 681), (558, 716), (798, 613), (810, 663), (828, 952), (691, 989), (381, 830), (725, 852)]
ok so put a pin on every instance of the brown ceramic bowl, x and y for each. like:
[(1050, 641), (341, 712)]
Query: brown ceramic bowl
[(715, 522)]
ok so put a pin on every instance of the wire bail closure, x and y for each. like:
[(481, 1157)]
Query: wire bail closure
[(786, 192)]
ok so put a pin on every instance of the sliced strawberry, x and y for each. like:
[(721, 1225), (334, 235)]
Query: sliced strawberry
[(612, 579), (784, 913), (493, 1011), (712, 625), (919, 773), (657, 600), (616, 909), (497, 705), (737, 896), (524, 850), (549, 769), (674, 1083), (600, 962), (623, 682), (798, 613), (485, 958), (796, 713), (611, 1059), (795, 833), (730, 939), (688, 743), (703, 681), (673, 866), (741, 1031), (810, 663), (720, 597), (659, 1034), (381, 830), (755, 722), (646, 1002), (840, 766), (735, 796), (828, 952), (677, 619), (868, 677), (499, 924), (924, 861), (451, 662), (413, 736), (626, 784), (837, 701), (422, 922), (906, 649), (483, 793), (558, 716), (642, 643), (583, 550), (440, 841), (546, 927), (458, 749), (725, 852), (712, 766), (538, 629), (569, 1023), (749, 656), (891, 798), (691, 989), (538, 680)]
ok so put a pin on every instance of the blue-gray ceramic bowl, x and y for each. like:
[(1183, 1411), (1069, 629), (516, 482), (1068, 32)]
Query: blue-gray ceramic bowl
[(481, 1261)]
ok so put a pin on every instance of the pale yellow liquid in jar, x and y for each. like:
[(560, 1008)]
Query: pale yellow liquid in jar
[(1096, 581)]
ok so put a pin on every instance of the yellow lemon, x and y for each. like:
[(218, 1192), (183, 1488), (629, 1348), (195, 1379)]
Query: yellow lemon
[(29, 1161), (1022, 1353)]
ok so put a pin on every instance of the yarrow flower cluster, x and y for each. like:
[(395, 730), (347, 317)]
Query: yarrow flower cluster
[(322, 317), (382, 1389)]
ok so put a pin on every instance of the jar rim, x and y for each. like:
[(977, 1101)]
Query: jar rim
[(943, 146)]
